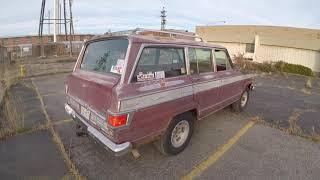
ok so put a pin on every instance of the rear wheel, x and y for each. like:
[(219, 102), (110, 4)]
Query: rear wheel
[(241, 104), (177, 136)]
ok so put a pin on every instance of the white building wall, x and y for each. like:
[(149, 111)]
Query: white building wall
[(303, 57)]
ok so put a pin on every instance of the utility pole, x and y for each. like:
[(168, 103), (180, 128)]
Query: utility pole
[(55, 19), (163, 19), (65, 20), (71, 27), (49, 23)]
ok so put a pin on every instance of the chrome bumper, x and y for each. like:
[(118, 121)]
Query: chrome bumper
[(117, 149)]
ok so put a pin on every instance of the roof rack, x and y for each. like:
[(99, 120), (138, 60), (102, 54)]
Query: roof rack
[(142, 31)]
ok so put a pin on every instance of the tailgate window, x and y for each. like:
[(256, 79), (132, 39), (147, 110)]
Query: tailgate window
[(107, 56)]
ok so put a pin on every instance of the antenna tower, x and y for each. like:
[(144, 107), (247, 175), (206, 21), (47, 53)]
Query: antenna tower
[(163, 19)]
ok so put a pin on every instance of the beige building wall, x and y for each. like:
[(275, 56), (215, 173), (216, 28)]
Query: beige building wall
[(233, 48), (264, 53), (272, 43), (303, 57)]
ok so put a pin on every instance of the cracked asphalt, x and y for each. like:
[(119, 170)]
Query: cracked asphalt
[(262, 152)]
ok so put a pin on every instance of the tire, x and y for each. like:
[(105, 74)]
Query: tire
[(168, 144), (240, 105)]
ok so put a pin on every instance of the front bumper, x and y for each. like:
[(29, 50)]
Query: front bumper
[(116, 149)]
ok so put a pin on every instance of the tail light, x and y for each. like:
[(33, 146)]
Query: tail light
[(117, 120)]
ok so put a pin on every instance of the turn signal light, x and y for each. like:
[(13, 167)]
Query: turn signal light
[(117, 120)]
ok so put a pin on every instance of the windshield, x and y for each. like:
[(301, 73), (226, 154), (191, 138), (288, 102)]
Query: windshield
[(106, 56)]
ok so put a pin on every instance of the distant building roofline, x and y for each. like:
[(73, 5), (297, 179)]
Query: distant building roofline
[(300, 38), (45, 35), (258, 26)]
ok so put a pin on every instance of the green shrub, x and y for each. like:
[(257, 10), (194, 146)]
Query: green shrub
[(293, 68), (266, 67)]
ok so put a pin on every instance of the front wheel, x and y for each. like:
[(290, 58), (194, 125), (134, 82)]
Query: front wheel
[(242, 103), (177, 136)]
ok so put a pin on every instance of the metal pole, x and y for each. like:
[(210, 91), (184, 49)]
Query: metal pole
[(55, 21), (43, 5), (60, 15), (49, 23), (71, 26), (65, 20)]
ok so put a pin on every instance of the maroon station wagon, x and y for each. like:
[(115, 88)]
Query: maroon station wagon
[(127, 90)]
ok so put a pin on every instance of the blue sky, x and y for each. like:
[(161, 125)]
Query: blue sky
[(20, 17)]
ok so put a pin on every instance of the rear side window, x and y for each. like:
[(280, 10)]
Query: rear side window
[(222, 60), (200, 60), (159, 63), (107, 56)]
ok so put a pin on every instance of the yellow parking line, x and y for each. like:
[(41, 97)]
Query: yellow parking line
[(197, 170)]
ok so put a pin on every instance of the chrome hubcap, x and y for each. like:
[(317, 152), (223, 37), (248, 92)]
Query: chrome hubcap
[(180, 134), (244, 99)]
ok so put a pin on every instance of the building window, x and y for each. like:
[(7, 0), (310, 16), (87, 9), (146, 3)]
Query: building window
[(250, 48)]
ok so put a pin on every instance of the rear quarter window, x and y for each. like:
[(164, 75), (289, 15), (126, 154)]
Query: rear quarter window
[(106, 56), (159, 63), (222, 60)]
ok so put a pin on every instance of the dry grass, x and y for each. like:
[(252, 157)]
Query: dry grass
[(294, 128), (309, 83), (13, 118), (9, 74), (293, 125)]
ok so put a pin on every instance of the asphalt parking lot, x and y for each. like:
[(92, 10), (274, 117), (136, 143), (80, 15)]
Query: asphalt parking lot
[(225, 145)]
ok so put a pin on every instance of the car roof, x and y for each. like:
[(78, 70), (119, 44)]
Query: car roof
[(159, 40)]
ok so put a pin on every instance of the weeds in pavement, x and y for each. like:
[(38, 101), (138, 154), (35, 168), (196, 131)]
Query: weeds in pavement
[(309, 83), (294, 128), (9, 133)]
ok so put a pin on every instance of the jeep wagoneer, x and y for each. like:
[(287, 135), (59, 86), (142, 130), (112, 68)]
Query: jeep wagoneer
[(128, 90)]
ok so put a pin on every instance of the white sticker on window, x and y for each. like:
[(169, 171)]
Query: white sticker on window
[(118, 68), (175, 61), (183, 71), (145, 77), (120, 62), (159, 75)]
